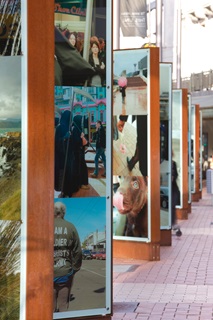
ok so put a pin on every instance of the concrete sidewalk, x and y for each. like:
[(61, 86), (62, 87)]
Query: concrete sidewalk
[(180, 285)]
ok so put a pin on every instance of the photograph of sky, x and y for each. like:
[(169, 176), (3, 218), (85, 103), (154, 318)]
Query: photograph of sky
[(87, 214), (10, 87), (127, 60)]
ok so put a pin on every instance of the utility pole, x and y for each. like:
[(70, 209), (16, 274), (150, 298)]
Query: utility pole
[(178, 61), (159, 27)]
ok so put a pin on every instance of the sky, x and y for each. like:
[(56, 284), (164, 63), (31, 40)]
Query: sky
[(125, 59), (10, 87), (87, 214)]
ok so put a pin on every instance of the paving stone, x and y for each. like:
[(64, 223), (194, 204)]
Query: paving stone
[(180, 285)]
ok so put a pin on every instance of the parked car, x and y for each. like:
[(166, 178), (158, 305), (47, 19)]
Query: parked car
[(86, 254), (93, 254), (164, 201), (101, 256)]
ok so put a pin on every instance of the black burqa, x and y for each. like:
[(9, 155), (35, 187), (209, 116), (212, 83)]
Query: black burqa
[(175, 191), (60, 147), (67, 156)]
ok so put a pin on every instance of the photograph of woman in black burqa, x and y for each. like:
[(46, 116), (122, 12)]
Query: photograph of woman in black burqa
[(175, 198), (62, 132), (78, 128), (68, 155)]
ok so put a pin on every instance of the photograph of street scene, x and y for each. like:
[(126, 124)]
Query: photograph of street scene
[(80, 142), (87, 220), (80, 43), (130, 77)]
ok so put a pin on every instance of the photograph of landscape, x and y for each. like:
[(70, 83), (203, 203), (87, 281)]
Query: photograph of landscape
[(10, 138), (10, 186)]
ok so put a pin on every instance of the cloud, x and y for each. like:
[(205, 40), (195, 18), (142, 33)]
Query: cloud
[(10, 87)]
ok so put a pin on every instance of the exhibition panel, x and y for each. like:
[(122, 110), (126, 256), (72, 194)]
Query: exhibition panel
[(196, 155), (165, 144), (136, 153), (189, 151), (180, 149), (82, 173)]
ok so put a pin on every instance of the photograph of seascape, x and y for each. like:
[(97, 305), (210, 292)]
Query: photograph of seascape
[(10, 185), (10, 138)]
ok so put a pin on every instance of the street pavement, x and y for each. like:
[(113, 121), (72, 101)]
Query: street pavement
[(180, 285)]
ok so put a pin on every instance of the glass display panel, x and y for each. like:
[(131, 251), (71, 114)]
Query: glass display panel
[(165, 144), (201, 152), (193, 154), (131, 81), (177, 137), (189, 149), (82, 190)]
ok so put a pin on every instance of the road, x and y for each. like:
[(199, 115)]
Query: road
[(89, 286)]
